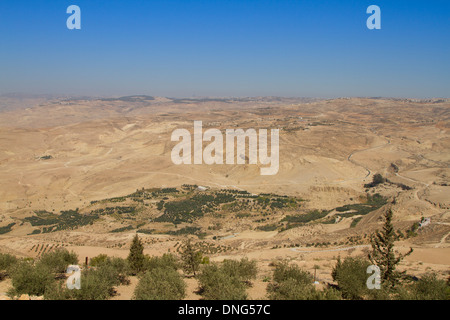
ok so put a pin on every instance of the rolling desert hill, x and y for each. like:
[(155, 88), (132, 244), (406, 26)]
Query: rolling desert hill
[(88, 173)]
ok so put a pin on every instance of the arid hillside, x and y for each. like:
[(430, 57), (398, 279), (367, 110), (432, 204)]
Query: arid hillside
[(89, 173)]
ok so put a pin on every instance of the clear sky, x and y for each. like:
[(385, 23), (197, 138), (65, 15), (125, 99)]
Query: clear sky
[(187, 48)]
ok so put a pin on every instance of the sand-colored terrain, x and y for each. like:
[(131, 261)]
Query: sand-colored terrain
[(59, 154)]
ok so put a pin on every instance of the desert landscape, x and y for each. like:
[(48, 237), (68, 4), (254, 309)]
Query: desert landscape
[(89, 173)]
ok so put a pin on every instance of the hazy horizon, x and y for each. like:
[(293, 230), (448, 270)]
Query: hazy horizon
[(68, 95), (226, 49)]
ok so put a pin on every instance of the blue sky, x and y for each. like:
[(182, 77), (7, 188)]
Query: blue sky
[(226, 48)]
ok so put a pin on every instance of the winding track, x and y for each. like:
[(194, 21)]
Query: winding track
[(332, 250), (359, 151)]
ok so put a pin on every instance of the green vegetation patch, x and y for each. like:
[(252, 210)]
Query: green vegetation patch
[(307, 217), (127, 228), (373, 203), (6, 228), (67, 220), (185, 230)]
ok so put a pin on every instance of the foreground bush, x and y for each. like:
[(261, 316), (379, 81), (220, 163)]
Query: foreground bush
[(99, 260), (58, 261), (218, 284), (166, 261), (292, 283), (351, 277), (96, 284), (245, 269), (32, 279), (429, 287), (284, 271), (291, 289), (160, 284), (7, 261), (116, 268)]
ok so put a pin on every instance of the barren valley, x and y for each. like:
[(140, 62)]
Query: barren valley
[(88, 174)]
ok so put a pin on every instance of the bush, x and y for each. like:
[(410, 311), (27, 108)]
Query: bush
[(166, 261), (98, 260), (116, 268), (58, 261), (292, 283), (160, 284), (284, 271), (216, 284), (58, 291), (32, 279), (244, 270), (96, 283), (351, 277), (291, 289), (7, 261), (376, 180), (429, 287)]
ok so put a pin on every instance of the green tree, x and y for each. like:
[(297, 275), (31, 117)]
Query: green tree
[(7, 262), (217, 284), (245, 269), (191, 259), (351, 277), (429, 287), (98, 260), (377, 179), (30, 278), (58, 261), (117, 268), (292, 283), (383, 254), (160, 284), (167, 260), (96, 283), (136, 257)]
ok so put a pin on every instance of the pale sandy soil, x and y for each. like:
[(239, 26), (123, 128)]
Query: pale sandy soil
[(328, 150)]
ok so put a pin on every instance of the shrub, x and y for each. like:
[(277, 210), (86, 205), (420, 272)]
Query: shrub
[(7, 261), (291, 289), (58, 261), (429, 287), (245, 269), (98, 260), (351, 277), (116, 268), (376, 180), (292, 283), (96, 284), (30, 278), (160, 284), (58, 291), (216, 284), (166, 261), (284, 271)]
